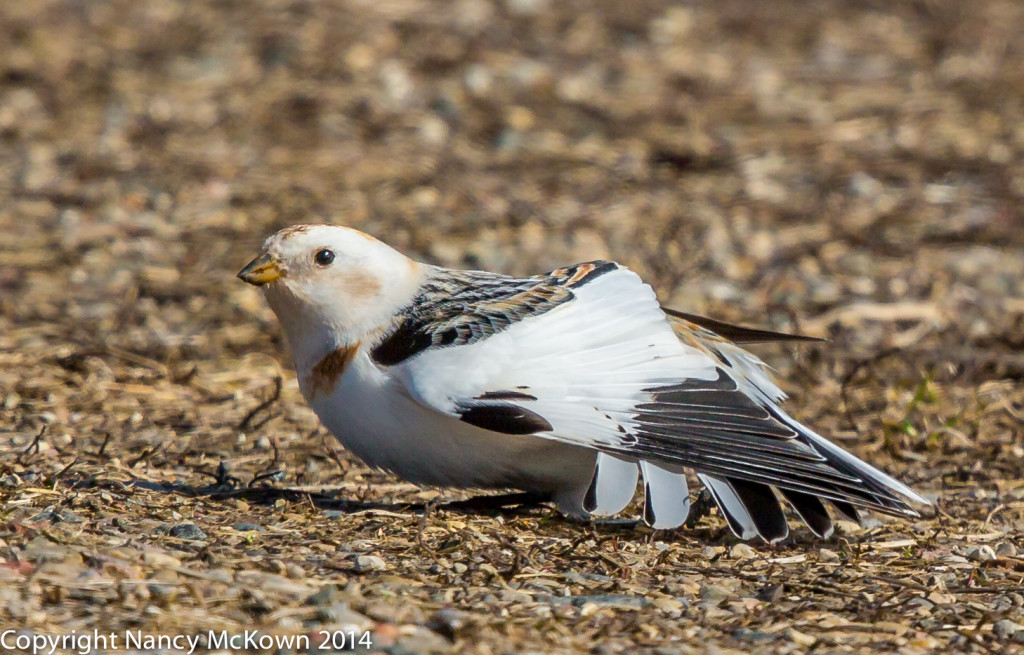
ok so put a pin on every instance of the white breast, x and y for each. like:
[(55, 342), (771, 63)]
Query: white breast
[(371, 416)]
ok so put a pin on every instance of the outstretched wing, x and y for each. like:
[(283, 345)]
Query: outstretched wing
[(586, 356)]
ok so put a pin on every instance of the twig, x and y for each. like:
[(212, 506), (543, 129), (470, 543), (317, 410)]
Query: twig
[(143, 457), (243, 425), (221, 476), (103, 446), (333, 454), (983, 590), (269, 475), (132, 358), (263, 421), (269, 471), (60, 474), (186, 377), (34, 444), (428, 509), (898, 583)]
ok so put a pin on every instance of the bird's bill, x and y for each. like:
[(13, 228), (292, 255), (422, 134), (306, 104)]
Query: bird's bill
[(262, 270)]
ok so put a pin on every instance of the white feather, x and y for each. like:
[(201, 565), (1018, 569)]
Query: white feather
[(582, 361), (615, 484), (667, 495), (730, 504)]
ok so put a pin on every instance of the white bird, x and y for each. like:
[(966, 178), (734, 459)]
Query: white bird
[(570, 385)]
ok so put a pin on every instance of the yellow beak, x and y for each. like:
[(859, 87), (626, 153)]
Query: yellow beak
[(262, 270)]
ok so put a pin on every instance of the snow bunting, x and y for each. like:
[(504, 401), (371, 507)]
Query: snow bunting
[(572, 384)]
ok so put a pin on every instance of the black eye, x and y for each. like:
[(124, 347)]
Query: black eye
[(323, 257)]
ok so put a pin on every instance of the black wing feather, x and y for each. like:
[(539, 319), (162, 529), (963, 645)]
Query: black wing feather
[(737, 333)]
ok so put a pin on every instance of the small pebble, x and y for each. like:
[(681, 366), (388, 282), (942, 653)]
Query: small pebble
[(153, 558), (746, 634), (848, 527), (771, 593), (366, 563), (248, 527), (447, 623), (800, 638), (981, 554), (54, 515), (714, 593), (1006, 629), (186, 531), (161, 593), (1006, 549), (826, 555), (742, 551), (326, 596), (712, 551), (610, 600)]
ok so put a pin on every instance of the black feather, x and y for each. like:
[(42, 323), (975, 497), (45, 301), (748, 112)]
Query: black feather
[(763, 507), (811, 510), (503, 417), (847, 510), (737, 333)]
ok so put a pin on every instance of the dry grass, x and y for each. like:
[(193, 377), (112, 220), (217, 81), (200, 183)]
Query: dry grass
[(849, 169)]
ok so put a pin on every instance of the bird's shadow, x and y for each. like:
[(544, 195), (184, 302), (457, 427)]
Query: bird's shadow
[(510, 503), (506, 504)]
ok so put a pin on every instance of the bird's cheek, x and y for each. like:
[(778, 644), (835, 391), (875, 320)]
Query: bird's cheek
[(359, 286)]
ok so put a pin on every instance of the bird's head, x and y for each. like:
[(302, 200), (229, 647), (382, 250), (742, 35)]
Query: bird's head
[(330, 284)]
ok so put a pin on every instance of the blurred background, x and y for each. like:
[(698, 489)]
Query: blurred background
[(845, 168)]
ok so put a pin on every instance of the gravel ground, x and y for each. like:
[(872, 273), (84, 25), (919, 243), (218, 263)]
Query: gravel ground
[(849, 169)]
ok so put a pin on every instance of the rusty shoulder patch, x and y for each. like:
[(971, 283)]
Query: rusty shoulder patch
[(579, 274), (327, 371)]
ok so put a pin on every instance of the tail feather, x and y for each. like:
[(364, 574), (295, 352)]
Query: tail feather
[(735, 512), (811, 511), (613, 485), (666, 495), (763, 507), (847, 510)]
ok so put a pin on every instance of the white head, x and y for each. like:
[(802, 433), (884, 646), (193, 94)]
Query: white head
[(331, 285)]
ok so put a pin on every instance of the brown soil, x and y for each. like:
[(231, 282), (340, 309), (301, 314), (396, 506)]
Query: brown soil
[(850, 169)]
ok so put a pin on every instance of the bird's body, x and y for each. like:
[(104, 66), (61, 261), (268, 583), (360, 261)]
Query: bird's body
[(418, 444), (570, 384)]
